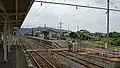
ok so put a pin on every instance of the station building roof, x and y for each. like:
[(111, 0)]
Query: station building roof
[(14, 11)]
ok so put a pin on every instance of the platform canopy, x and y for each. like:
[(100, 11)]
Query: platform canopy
[(14, 12)]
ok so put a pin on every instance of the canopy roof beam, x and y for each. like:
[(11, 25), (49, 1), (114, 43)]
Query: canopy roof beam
[(1, 6), (11, 14), (12, 21)]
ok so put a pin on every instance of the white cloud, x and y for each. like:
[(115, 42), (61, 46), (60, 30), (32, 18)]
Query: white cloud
[(91, 19)]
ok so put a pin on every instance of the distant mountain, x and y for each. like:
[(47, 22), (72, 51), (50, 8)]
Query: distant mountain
[(29, 30)]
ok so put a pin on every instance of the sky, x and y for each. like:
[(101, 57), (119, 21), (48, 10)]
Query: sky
[(93, 20)]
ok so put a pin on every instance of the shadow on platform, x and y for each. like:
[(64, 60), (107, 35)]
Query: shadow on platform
[(16, 59)]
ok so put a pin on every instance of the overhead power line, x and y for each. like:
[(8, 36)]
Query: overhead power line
[(43, 9), (117, 2), (113, 4), (78, 5), (37, 11), (95, 2)]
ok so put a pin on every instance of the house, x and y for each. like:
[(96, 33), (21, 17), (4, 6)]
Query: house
[(49, 34), (39, 34), (46, 34)]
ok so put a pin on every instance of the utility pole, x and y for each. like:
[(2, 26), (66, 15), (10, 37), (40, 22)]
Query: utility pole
[(44, 25), (77, 28), (108, 21), (77, 40), (60, 27), (32, 32), (68, 29)]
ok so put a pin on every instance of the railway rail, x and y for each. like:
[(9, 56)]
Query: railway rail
[(37, 57), (79, 60), (76, 59)]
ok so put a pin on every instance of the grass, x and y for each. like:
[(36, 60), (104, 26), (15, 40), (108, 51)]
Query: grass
[(103, 41), (115, 48), (97, 43)]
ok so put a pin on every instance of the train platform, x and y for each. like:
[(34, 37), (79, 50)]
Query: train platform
[(16, 59)]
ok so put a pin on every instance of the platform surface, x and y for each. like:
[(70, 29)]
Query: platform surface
[(11, 59), (16, 59)]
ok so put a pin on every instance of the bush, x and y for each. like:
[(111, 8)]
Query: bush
[(111, 41), (61, 37), (115, 42)]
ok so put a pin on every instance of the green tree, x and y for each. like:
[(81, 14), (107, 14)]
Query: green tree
[(114, 35), (73, 35)]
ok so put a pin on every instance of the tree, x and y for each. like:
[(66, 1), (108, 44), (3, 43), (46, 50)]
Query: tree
[(115, 42), (73, 35), (111, 35), (36, 35), (84, 31), (114, 34)]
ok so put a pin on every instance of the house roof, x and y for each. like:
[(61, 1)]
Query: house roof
[(49, 30)]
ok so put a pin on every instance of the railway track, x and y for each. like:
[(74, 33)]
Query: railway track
[(79, 60), (37, 57), (76, 59)]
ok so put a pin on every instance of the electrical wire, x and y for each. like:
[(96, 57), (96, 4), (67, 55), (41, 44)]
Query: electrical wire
[(78, 5), (37, 11), (113, 4), (94, 2), (63, 4), (43, 9), (117, 2)]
